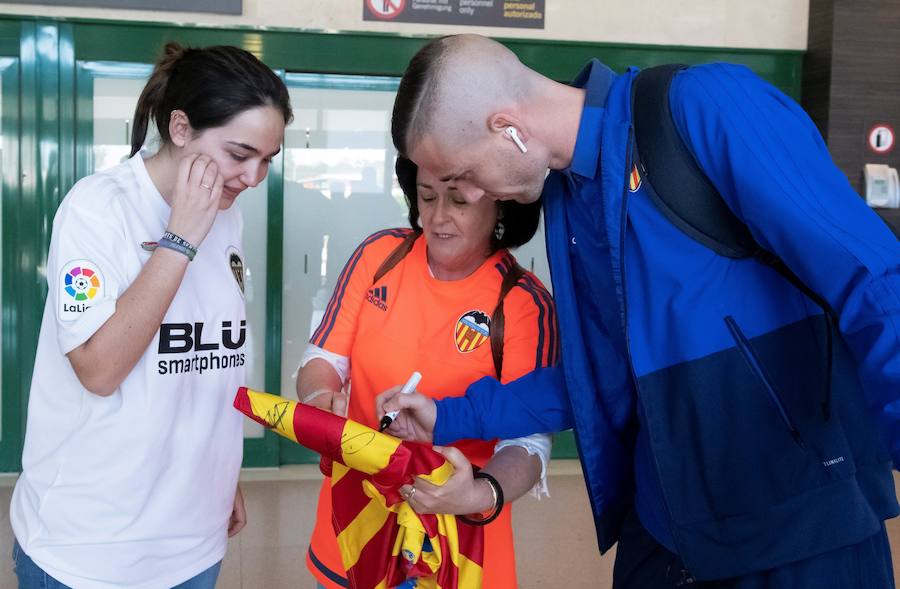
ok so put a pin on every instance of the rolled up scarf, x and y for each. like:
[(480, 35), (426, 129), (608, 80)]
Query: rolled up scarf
[(383, 542)]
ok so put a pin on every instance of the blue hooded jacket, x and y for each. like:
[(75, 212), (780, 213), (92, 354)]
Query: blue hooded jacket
[(705, 373)]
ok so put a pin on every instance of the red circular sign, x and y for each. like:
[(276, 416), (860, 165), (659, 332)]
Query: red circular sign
[(385, 9), (882, 138)]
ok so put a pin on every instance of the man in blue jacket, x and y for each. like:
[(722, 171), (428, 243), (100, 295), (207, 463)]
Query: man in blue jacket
[(725, 439)]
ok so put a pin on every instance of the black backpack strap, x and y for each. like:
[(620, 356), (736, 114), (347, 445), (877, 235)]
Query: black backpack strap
[(683, 193), (498, 318), (396, 255)]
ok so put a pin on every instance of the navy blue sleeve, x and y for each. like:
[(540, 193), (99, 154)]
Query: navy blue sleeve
[(769, 162), (535, 403)]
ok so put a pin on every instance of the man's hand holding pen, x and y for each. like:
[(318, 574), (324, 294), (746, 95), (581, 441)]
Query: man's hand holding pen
[(415, 418)]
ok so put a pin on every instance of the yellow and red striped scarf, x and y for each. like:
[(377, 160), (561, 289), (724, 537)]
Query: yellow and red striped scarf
[(383, 542)]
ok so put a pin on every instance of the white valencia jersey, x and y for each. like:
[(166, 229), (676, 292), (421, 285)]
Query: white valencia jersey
[(135, 489)]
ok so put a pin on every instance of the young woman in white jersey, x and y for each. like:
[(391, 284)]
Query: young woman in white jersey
[(132, 450)]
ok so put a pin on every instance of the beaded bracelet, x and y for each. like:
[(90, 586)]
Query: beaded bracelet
[(497, 491)]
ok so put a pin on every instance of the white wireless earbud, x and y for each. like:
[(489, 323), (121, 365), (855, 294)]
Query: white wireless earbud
[(514, 135)]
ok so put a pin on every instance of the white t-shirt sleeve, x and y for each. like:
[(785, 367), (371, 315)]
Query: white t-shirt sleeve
[(85, 268), (341, 364), (536, 445)]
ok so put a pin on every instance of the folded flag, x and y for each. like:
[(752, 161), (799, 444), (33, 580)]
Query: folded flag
[(383, 542)]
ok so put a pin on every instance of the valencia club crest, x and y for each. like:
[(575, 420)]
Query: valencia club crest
[(634, 180), (472, 330)]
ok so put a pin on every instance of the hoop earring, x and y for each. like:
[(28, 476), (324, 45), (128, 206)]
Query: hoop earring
[(499, 230)]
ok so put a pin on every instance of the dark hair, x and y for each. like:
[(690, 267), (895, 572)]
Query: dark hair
[(211, 85), (412, 90), (519, 219)]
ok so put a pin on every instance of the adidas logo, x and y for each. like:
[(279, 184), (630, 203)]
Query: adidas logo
[(378, 297)]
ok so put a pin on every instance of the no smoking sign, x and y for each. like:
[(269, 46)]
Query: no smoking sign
[(881, 138), (385, 9)]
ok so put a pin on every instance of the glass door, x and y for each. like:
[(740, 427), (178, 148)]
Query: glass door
[(339, 187), (332, 186)]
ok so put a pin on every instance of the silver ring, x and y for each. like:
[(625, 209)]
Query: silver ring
[(205, 186), (412, 491)]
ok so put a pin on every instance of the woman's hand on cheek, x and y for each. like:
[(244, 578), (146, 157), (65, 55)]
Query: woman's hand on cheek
[(195, 198)]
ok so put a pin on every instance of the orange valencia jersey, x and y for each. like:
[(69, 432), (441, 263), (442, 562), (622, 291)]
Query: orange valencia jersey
[(410, 321)]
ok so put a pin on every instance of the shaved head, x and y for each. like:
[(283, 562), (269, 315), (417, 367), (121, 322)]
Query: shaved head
[(451, 88), (471, 114)]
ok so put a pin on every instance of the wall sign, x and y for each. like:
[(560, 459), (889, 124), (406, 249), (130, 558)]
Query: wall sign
[(211, 6), (882, 138), (485, 13)]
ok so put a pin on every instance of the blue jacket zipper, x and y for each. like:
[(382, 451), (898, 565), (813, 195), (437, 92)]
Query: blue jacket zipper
[(759, 371)]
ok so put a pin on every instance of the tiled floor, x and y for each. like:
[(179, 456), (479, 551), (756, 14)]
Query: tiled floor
[(554, 538)]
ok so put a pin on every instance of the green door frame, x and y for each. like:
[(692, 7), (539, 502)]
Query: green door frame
[(11, 413), (387, 54), (54, 132)]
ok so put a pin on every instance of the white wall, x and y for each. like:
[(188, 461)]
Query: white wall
[(764, 24)]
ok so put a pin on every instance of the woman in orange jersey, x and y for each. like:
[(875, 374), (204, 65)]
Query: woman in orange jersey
[(446, 299)]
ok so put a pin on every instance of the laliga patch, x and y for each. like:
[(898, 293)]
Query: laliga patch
[(472, 330), (236, 263), (634, 180), (80, 283)]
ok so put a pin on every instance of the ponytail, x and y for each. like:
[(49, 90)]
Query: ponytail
[(211, 85), (152, 96)]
